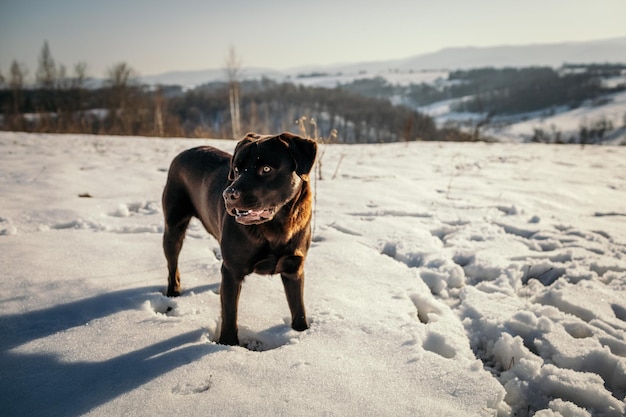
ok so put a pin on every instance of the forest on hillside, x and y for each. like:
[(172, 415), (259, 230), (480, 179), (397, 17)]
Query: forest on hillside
[(502, 91), (62, 103), (360, 111), (265, 106)]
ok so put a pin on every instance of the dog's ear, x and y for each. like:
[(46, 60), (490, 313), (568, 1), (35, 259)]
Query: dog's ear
[(252, 135), (249, 138), (303, 152)]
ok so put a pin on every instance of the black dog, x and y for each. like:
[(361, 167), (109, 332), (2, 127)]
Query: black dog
[(257, 204)]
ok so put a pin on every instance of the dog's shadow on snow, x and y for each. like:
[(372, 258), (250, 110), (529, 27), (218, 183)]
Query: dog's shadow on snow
[(42, 382)]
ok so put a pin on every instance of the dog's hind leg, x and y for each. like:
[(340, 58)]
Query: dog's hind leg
[(177, 213), (173, 237)]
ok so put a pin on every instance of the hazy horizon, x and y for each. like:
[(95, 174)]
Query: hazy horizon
[(190, 35)]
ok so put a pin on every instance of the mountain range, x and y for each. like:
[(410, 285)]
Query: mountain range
[(554, 55)]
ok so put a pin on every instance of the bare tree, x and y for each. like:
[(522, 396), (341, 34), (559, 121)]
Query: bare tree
[(46, 72), (80, 74), (63, 80), (46, 78), (233, 73), (17, 78), (15, 81), (120, 75), (480, 123), (120, 79), (159, 104), (77, 84), (77, 87)]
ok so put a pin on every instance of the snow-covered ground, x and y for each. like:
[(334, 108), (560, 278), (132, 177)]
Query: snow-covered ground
[(610, 108), (395, 77), (443, 280), (564, 122)]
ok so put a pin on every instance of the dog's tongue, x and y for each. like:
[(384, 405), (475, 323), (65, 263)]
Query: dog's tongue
[(250, 216)]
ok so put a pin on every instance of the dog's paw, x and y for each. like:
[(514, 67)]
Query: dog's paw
[(172, 293), (228, 340), (300, 325)]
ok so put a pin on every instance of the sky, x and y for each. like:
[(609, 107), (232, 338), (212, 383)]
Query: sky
[(158, 36)]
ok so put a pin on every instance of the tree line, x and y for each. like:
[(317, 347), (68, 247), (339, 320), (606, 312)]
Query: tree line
[(520, 90), (120, 105), (267, 105), (502, 91)]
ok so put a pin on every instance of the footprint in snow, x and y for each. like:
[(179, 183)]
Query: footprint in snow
[(268, 339), (191, 389), (138, 208)]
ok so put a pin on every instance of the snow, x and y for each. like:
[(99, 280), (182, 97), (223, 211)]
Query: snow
[(611, 108), (562, 123), (391, 76), (559, 123), (443, 280)]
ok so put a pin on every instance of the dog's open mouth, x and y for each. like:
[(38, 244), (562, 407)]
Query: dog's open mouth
[(253, 216)]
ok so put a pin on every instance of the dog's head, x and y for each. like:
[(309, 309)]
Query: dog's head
[(266, 173)]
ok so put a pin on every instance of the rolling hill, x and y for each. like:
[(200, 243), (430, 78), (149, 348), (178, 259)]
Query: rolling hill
[(606, 50)]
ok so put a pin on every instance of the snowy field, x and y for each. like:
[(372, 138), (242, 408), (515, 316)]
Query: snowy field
[(443, 280), (610, 108), (402, 78)]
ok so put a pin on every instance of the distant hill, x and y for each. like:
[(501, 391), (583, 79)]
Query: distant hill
[(190, 79), (554, 55)]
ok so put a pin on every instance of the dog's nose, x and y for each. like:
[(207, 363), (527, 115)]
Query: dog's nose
[(231, 194)]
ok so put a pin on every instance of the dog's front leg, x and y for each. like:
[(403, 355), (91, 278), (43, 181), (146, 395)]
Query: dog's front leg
[(294, 290), (229, 296)]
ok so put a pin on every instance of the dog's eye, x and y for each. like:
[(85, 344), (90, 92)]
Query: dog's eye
[(266, 169)]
